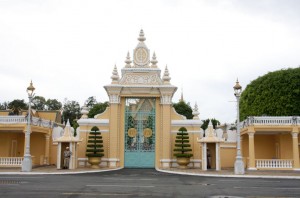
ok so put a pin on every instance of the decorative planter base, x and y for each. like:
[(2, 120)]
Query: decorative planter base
[(183, 162), (94, 161)]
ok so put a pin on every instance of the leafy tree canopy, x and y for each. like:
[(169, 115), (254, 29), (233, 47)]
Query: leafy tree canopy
[(97, 109), (90, 102), (184, 108), (39, 103), (4, 105), (215, 123), (71, 111), (53, 104), (274, 94), (17, 105)]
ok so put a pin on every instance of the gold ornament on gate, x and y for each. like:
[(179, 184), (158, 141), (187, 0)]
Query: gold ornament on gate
[(147, 132), (132, 132)]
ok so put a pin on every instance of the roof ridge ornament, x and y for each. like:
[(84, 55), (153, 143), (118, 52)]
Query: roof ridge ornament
[(166, 78), (142, 37), (196, 112), (128, 61), (154, 61), (115, 76)]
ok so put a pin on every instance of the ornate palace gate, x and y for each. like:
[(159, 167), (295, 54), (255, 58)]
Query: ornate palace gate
[(140, 133)]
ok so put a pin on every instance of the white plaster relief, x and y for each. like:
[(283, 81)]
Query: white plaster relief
[(141, 79), (114, 99), (166, 99)]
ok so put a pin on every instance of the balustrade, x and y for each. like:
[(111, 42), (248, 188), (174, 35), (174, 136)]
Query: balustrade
[(274, 163), (11, 161), (271, 121)]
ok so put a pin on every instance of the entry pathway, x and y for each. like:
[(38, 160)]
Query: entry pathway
[(190, 171)]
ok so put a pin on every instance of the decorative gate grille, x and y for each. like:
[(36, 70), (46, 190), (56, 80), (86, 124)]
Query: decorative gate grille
[(140, 133)]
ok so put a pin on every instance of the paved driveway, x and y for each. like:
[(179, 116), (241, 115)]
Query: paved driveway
[(143, 183)]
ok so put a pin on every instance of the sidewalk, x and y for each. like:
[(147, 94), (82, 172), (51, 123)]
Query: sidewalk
[(289, 174)]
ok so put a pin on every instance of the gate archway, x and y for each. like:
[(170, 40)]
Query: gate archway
[(140, 133)]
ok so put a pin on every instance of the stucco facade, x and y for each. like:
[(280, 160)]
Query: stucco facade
[(140, 125)]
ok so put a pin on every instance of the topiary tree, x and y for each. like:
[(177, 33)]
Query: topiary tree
[(182, 144), (274, 94), (95, 143)]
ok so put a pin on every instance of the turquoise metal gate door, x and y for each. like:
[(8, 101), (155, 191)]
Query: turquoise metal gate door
[(140, 133)]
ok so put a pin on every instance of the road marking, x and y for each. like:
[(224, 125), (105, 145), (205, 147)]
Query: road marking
[(21, 177), (103, 194), (232, 180), (268, 187), (130, 179), (126, 186)]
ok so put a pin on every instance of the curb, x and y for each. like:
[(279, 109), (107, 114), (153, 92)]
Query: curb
[(231, 176), (57, 173)]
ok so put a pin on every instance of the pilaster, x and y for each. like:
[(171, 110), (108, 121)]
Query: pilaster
[(294, 134), (166, 131), (251, 151), (47, 143)]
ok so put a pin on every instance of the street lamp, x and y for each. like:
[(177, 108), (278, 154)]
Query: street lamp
[(239, 164), (27, 162)]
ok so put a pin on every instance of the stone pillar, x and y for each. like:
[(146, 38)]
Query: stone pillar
[(166, 130), (218, 161), (251, 151), (204, 156), (58, 156), (47, 140), (113, 131), (295, 133)]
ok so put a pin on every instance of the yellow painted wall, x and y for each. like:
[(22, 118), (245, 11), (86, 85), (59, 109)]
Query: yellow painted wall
[(37, 147), (227, 154), (286, 146), (264, 146), (6, 141)]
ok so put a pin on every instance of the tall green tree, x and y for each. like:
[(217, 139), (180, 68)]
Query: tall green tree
[(97, 109), (4, 105), (214, 122), (90, 102), (274, 94), (53, 104), (184, 108), (17, 105), (39, 103), (71, 111)]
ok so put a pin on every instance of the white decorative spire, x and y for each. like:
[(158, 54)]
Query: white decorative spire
[(142, 37), (67, 131), (166, 78), (196, 112), (84, 112), (128, 61), (115, 76), (210, 128), (154, 61)]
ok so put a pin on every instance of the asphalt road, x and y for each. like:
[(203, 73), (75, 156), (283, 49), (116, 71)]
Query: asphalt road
[(143, 183)]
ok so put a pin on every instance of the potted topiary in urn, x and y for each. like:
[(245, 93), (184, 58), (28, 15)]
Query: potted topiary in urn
[(94, 150), (182, 148)]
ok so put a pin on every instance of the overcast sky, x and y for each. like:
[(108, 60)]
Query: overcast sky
[(69, 48)]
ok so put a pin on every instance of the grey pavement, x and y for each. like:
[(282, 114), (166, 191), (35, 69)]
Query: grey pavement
[(41, 170)]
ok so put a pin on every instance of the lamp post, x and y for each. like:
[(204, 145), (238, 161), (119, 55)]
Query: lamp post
[(27, 162), (239, 164)]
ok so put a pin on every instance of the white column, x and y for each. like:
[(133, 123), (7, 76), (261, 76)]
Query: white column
[(218, 167), (58, 156), (204, 157)]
